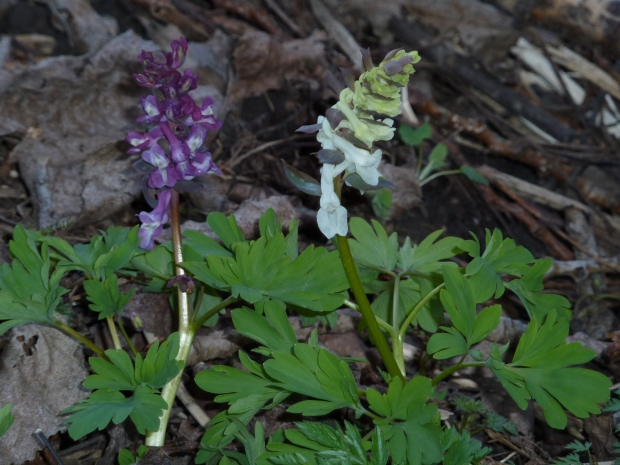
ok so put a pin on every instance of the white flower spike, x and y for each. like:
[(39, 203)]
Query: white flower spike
[(354, 129)]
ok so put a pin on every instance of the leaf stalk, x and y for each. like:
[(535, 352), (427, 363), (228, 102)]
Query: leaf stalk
[(447, 372), (397, 339), (413, 313), (114, 333), (87, 342)]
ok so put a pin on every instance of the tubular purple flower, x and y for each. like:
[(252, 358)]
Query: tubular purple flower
[(153, 222), (143, 141), (144, 81), (150, 105), (165, 174), (203, 163), (176, 148), (204, 116), (196, 137), (188, 82), (150, 59), (179, 50)]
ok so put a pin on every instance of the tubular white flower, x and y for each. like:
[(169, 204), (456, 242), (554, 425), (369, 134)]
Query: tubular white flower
[(332, 217), (360, 161)]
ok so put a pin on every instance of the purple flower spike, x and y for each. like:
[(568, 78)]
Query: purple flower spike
[(153, 223), (180, 123)]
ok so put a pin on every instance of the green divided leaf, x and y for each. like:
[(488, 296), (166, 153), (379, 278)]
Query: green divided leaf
[(156, 264), (528, 289), (106, 254), (264, 269), (373, 249), (501, 256), (6, 418), (614, 404), (459, 301), (29, 292), (427, 256), (317, 373), (499, 423), (436, 160), (274, 332), (411, 424), (473, 175), (381, 202), (461, 449), (125, 457), (246, 393), (414, 137), (197, 246), (319, 443), (305, 369), (105, 297), (541, 369), (225, 228), (113, 379), (96, 412)]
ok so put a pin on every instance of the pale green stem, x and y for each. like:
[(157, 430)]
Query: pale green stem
[(419, 167), (186, 331), (198, 323), (87, 342), (397, 340), (452, 369), (114, 333), (417, 308), (436, 175), (384, 324)]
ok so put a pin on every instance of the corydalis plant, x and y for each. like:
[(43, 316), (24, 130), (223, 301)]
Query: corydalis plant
[(173, 151), (349, 130)]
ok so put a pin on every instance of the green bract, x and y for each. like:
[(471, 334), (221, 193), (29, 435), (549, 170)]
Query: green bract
[(376, 91)]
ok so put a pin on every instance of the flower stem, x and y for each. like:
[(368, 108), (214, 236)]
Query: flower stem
[(114, 333), (365, 309), (186, 330), (87, 342)]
